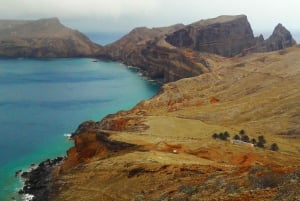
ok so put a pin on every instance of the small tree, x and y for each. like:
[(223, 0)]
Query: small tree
[(262, 139), (215, 136), (242, 132), (236, 137), (226, 134), (245, 138), (274, 147), (260, 144)]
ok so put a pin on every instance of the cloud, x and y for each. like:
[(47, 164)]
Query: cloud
[(123, 15)]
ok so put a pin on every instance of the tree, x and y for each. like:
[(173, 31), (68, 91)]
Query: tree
[(226, 134), (236, 137), (274, 147), (262, 139), (245, 138), (260, 144), (215, 136), (242, 132)]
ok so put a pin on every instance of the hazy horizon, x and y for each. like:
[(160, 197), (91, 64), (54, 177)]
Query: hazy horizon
[(120, 16)]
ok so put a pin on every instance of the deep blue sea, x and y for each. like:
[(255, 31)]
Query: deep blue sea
[(41, 100)]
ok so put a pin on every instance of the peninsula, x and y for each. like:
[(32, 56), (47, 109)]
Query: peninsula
[(220, 81)]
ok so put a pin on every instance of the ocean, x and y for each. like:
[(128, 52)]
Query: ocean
[(41, 100)]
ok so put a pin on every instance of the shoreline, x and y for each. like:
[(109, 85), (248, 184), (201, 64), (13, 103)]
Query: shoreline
[(37, 181)]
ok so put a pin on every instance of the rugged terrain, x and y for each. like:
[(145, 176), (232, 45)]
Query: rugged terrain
[(163, 149), (171, 53), (43, 38)]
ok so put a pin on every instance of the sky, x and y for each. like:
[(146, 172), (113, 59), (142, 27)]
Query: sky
[(124, 15)]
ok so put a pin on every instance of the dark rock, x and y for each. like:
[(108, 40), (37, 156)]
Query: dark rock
[(281, 38), (18, 172), (224, 35), (37, 179)]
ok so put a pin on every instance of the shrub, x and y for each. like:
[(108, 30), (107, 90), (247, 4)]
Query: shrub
[(226, 134), (262, 139), (274, 147), (215, 136), (245, 138), (260, 144), (242, 132)]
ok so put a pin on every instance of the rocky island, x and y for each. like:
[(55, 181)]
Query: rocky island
[(225, 81)]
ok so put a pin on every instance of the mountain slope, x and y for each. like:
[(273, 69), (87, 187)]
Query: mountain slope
[(163, 149), (43, 38)]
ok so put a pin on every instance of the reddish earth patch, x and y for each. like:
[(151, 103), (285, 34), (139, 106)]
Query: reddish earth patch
[(214, 100)]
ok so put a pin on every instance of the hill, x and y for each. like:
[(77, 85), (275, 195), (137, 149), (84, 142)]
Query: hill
[(42, 38)]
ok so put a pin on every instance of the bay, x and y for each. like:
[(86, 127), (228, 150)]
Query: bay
[(41, 100)]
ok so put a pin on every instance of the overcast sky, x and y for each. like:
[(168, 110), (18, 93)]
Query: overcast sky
[(123, 15)]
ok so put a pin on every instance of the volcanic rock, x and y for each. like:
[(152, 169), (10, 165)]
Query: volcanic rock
[(224, 35), (281, 38)]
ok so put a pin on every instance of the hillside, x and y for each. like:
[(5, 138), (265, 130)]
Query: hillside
[(163, 149), (43, 38)]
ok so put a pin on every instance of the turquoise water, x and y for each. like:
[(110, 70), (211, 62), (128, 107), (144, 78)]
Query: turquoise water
[(40, 100)]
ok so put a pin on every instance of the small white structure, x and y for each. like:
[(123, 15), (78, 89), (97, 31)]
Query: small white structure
[(242, 143)]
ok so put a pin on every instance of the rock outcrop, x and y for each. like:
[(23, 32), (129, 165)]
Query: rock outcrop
[(224, 35), (146, 49), (281, 38), (43, 38)]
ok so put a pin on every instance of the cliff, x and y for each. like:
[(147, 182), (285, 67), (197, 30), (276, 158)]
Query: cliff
[(281, 38), (163, 149), (171, 53), (224, 35), (43, 38), (146, 49)]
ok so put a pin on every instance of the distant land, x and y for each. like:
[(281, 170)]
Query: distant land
[(44, 38), (224, 126)]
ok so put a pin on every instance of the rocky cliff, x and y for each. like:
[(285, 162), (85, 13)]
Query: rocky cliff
[(146, 49), (43, 38), (224, 35), (281, 38), (170, 53)]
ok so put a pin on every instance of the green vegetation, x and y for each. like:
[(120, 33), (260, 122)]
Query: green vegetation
[(221, 136), (274, 147), (242, 136)]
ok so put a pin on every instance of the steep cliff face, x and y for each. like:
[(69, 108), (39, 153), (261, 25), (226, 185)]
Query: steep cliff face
[(148, 50), (281, 38), (170, 53), (224, 35), (43, 38)]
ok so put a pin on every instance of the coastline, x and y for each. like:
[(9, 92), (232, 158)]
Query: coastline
[(37, 181)]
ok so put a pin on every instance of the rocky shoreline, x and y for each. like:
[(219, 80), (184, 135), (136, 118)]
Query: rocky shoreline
[(37, 180)]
